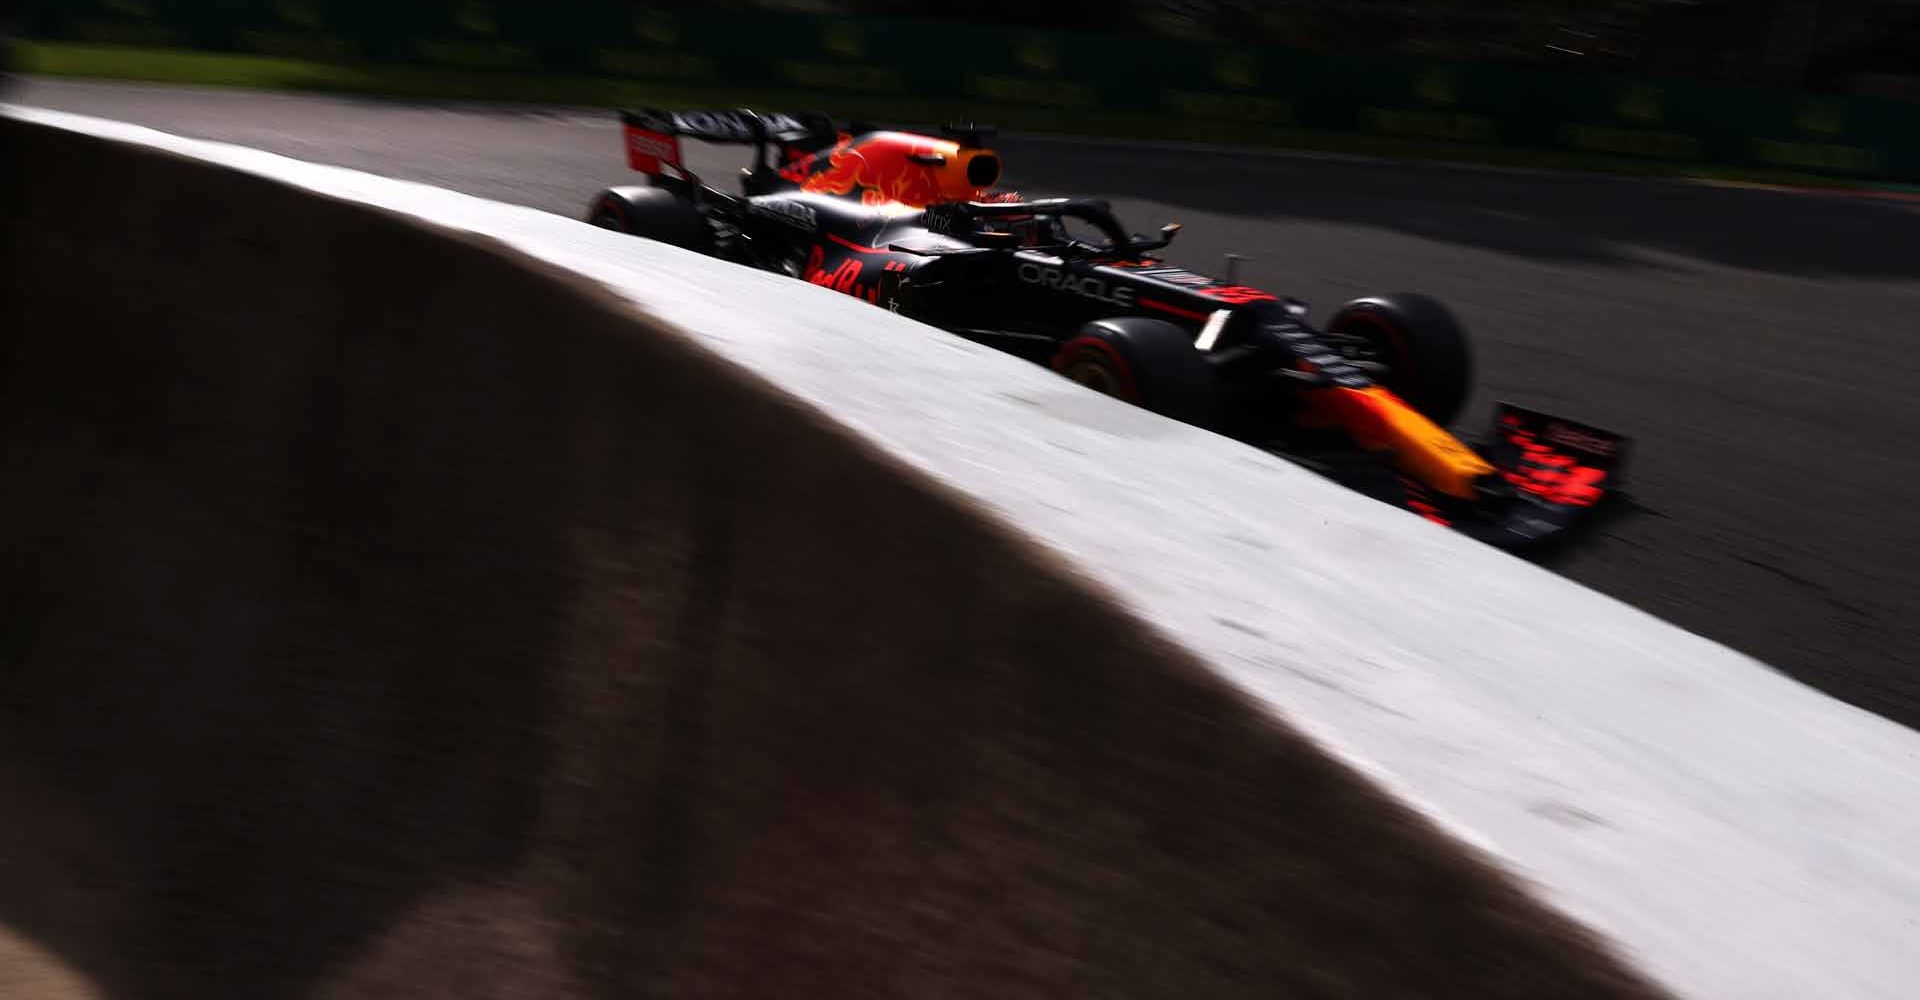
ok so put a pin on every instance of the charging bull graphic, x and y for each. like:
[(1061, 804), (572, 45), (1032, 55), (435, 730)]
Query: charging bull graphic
[(896, 167)]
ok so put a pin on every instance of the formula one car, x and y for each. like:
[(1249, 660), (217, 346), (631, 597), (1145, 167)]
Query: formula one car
[(910, 223)]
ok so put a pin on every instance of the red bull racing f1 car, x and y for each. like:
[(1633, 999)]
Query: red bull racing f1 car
[(911, 223)]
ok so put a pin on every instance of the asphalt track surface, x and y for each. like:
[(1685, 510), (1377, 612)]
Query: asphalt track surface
[(1758, 345)]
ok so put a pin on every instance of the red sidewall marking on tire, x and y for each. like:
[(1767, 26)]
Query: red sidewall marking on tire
[(1122, 369), (1397, 339), (612, 206)]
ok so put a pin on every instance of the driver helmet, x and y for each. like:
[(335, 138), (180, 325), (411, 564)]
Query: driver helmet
[(1031, 230)]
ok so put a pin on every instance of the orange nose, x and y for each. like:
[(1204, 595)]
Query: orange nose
[(1379, 421)]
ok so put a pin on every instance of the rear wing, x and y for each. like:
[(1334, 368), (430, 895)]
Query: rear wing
[(738, 126), (653, 135)]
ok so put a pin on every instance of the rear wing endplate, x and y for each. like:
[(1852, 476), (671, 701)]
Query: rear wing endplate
[(650, 149)]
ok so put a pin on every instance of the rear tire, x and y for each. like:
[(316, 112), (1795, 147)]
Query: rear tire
[(653, 213), (1146, 362), (1429, 363)]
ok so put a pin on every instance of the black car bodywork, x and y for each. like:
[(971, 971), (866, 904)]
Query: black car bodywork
[(908, 223)]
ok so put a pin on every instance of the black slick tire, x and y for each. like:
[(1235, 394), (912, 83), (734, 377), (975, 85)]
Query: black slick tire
[(653, 213), (1425, 350), (1146, 362)]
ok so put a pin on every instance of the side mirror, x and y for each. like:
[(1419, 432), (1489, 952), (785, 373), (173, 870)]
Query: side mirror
[(1140, 244)]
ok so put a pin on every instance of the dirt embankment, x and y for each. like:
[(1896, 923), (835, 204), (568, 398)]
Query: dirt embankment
[(386, 615)]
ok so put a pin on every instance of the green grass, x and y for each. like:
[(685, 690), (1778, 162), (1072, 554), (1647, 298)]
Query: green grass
[(222, 69)]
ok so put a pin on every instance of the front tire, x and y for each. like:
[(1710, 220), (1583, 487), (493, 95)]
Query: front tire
[(1422, 346), (1146, 362)]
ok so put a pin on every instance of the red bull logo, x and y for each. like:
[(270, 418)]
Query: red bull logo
[(897, 167)]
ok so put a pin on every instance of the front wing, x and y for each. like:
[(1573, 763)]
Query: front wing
[(1553, 477)]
